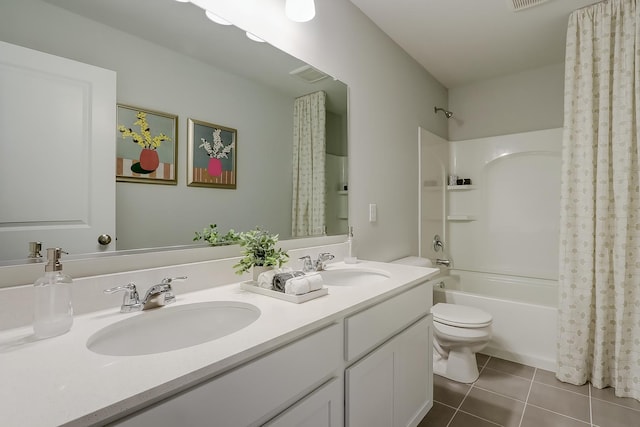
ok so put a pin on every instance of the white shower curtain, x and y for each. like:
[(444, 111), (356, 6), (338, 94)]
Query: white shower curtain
[(309, 155), (599, 306)]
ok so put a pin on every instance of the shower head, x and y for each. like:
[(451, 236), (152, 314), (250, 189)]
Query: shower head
[(447, 113)]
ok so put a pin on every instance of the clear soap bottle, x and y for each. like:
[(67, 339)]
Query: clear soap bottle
[(53, 310), (350, 258)]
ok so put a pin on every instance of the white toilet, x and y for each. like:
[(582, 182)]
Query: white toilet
[(459, 332)]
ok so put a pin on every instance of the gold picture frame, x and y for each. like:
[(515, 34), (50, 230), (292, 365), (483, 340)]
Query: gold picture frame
[(212, 155), (146, 146)]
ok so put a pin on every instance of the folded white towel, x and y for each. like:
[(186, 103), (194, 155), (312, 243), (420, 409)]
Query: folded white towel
[(296, 286), (315, 281), (265, 279)]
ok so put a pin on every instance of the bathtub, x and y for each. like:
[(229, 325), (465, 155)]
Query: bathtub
[(524, 312)]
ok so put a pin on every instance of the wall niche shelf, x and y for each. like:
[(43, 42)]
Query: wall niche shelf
[(460, 187), (461, 217)]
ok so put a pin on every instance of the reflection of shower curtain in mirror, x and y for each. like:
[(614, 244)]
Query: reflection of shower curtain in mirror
[(599, 309), (309, 153)]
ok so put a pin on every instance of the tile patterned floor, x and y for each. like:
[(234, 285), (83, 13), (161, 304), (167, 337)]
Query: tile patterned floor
[(513, 395)]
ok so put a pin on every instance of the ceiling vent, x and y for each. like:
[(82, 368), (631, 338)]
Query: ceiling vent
[(518, 5), (308, 74)]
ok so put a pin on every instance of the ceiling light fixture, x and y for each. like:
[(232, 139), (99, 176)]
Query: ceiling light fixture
[(254, 37), (215, 18), (300, 10), (183, 1)]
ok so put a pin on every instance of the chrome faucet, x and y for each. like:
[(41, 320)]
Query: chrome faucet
[(156, 296), (317, 265)]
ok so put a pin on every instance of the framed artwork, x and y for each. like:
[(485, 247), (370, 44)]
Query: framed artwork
[(146, 146), (212, 155)]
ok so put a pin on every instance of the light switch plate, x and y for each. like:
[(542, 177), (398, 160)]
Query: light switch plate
[(373, 212)]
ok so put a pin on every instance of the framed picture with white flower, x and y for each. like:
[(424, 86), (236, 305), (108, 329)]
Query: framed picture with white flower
[(146, 146), (212, 155)]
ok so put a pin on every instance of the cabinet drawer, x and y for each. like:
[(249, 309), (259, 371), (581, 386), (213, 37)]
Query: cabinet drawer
[(253, 392), (370, 327)]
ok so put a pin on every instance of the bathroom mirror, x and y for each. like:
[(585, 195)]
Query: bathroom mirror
[(164, 53)]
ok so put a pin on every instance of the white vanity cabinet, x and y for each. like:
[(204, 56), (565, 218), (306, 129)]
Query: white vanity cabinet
[(392, 385), (258, 391), (371, 368)]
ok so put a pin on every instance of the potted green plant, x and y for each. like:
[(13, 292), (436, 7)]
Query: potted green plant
[(212, 236), (259, 252)]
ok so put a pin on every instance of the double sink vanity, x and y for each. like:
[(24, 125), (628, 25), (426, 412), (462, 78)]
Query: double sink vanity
[(223, 356)]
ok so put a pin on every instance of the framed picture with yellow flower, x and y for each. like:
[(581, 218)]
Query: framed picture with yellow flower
[(146, 146), (212, 155)]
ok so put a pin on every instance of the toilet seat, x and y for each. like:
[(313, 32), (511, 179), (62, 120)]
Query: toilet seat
[(457, 334), (460, 316)]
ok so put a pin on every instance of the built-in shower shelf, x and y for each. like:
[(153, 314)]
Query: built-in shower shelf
[(461, 217), (460, 187)]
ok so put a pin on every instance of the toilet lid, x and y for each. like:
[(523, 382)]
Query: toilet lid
[(460, 315)]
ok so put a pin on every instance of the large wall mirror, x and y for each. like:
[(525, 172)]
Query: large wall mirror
[(169, 57)]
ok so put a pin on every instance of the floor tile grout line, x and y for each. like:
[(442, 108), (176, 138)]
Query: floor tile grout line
[(526, 401), (480, 418), (563, 389), (558, 413), (500, 394), (460, 405), (590, 406), (614, 403)]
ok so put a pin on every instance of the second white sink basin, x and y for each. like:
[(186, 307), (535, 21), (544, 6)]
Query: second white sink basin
[(172, 328), (353, 276)]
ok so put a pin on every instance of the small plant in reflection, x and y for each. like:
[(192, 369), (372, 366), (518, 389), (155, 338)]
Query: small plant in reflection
[(212, 236)]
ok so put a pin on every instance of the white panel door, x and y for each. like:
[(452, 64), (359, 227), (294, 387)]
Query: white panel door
[(369, 390), (413, 384), (57, 153)]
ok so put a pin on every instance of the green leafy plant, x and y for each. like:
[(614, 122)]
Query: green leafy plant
[(214, 238), (259, 249)]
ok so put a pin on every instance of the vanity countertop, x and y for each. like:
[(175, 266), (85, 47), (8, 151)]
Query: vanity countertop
[(59, 381)]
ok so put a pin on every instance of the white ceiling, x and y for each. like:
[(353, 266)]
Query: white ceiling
[(462, 41)]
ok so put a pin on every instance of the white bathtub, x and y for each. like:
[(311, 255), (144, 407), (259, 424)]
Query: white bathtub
[(524, 312)]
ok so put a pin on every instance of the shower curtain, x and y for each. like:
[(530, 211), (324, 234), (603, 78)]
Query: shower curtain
[(599, 305), (309, 155)]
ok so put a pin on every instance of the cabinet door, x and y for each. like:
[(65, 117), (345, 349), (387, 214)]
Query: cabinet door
[(323, 408), (393, 385), (57, 152), (413, 383), (369, 389)]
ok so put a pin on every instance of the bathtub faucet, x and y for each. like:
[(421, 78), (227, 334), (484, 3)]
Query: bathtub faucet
[(445, 262)]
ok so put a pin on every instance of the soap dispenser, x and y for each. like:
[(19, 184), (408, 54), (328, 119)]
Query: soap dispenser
[(53, 311), (350, 259)]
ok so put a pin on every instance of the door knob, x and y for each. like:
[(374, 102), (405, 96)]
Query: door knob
[(104, 239)]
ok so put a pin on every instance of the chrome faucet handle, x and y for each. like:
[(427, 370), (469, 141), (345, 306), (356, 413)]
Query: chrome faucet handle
[(163, 290), (322, 258), (130, 300), (307, 265)]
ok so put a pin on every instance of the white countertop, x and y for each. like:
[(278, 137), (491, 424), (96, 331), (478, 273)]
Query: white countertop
[(59, 381)]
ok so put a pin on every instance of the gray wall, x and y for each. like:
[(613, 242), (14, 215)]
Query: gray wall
[(522, 102), (390, 95)]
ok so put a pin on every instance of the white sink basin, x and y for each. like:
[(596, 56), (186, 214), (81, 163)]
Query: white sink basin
[(172, 328), (353, 276)]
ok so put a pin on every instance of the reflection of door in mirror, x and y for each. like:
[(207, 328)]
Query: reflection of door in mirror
[(56, 129)]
